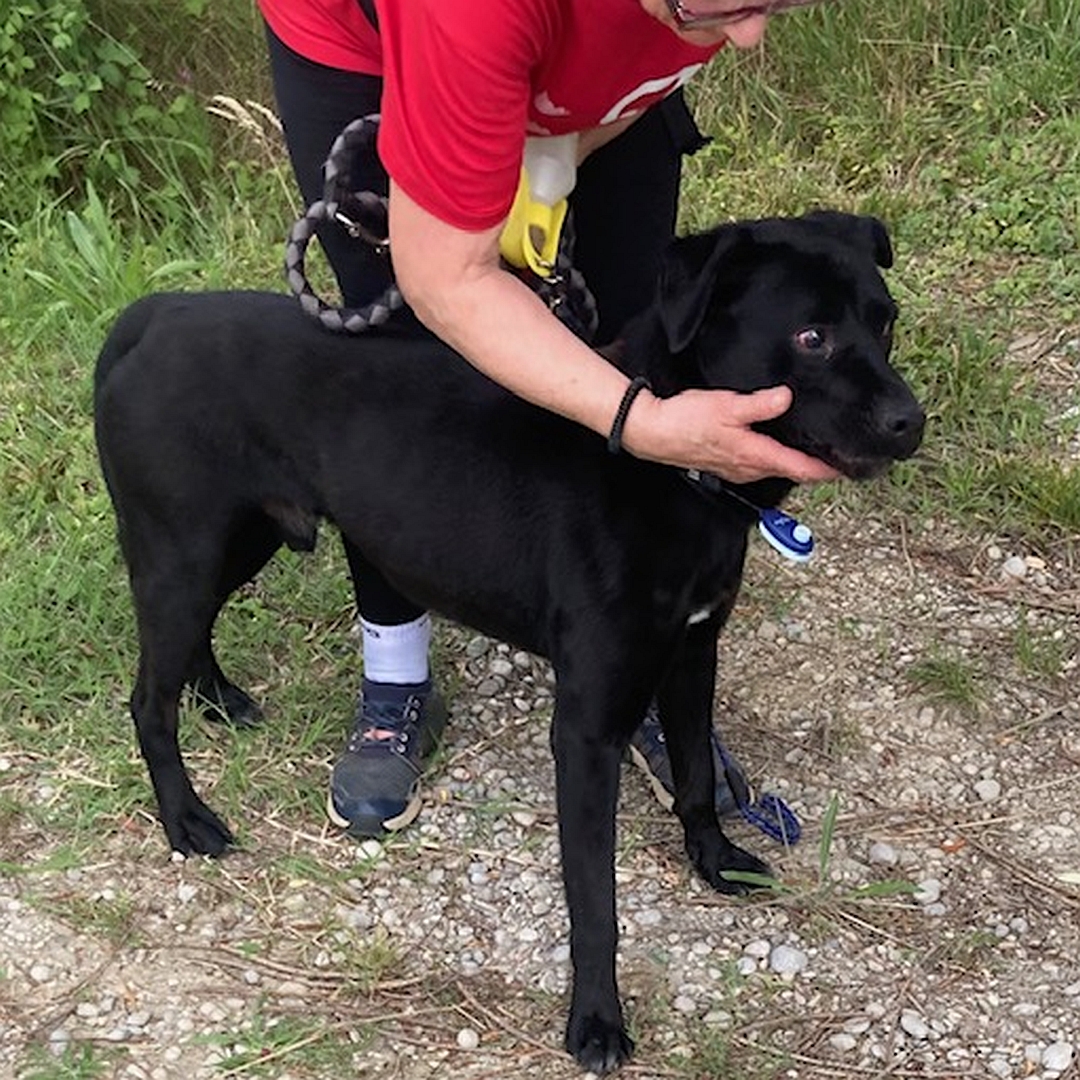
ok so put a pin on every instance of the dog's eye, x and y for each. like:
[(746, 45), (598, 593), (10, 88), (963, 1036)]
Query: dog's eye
[(813, 340)]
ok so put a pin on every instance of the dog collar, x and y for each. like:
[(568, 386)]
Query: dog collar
[(781, 531)]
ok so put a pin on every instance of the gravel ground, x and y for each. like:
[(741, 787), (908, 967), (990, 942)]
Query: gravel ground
[(444, 952)]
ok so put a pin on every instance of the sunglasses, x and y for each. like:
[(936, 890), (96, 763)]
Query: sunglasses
[(691, 18)]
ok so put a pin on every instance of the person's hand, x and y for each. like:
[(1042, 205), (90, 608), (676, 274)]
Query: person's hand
[(710, 430)]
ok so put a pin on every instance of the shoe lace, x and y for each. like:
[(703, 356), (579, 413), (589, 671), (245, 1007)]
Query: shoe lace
[(384, 727)]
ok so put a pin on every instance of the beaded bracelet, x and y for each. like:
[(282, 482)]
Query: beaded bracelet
[(637, 384)]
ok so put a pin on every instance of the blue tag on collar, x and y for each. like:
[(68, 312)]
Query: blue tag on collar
[(791, 538)]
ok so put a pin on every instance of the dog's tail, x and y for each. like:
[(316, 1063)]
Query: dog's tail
[(125, 334)]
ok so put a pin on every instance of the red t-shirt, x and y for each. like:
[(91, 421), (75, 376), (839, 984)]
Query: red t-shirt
[(466, 80)]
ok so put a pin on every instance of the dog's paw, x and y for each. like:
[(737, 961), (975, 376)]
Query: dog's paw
[(196, 830), (230, 705), (599, 1046), (715, 861)]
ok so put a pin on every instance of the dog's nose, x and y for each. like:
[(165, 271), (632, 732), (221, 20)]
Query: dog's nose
[(902, 423)]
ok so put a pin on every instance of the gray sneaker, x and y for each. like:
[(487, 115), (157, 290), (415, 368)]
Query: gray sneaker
[(649, 752), (375, 785)]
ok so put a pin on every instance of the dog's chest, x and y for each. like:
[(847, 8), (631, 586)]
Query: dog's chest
[(713, 590), (702, 614)]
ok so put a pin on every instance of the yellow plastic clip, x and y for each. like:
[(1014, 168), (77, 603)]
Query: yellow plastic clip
[(530, 237)]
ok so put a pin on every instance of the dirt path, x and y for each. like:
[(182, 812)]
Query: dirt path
[(931, 683)]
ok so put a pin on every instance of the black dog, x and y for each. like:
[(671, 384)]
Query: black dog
[(230, 423)]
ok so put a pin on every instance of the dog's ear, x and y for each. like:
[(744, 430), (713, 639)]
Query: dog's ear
[(689, 275), (859, 230)]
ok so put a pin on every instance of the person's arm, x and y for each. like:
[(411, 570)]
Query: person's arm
[(452, 280)]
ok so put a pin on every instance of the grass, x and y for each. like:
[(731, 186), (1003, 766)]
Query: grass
[(305, 1047), (949, 680), (957, 123), (974, 166), (76, 1061)]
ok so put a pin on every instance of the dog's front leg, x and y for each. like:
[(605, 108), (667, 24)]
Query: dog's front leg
[(685, 703), (588, 758)]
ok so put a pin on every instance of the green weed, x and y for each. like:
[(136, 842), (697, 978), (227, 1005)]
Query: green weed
[(1040, 651), (949, 679), (110, 919), (826, 891), (77, 1061), (302, 1047)]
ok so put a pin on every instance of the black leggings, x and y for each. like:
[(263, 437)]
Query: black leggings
[(624, 204)]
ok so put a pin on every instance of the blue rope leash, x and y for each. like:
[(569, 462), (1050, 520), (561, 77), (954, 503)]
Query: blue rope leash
[(768, 813)]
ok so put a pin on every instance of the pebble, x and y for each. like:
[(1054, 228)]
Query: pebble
[(475, 898), (787, 960), (1014, 567), (371, 850), (476, 647), (928, 891), (914, 1024), (882, 853), (1058, 1056), (468, 1039)]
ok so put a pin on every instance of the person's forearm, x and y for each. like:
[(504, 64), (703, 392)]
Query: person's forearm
[(506, 331)]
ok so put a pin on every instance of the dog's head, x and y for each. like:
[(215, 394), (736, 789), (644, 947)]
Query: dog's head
[(798, 301)]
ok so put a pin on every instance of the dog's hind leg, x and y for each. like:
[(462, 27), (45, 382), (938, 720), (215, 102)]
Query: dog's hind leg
[(250, 547), (685, 705), (175, 605)]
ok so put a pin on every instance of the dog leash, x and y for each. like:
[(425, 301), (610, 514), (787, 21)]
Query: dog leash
[(768, 813), (364, 215), (366, 220)]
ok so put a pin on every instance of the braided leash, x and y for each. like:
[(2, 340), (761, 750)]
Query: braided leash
[(362, 207), (364, 216)]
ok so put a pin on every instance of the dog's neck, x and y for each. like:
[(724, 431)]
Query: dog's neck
[(642, 350), (746, 499)]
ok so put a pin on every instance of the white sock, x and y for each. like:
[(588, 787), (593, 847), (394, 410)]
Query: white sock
[(397, 654)]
